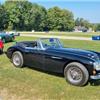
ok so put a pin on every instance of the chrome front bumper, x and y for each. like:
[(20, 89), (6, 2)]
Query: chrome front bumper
[(95, 77)]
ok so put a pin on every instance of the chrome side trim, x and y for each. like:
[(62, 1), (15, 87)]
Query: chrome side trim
[(54, 57)]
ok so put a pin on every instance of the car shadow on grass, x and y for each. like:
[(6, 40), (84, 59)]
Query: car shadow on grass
[(1, 53), (47, 72), (91, 82), (95, 82)]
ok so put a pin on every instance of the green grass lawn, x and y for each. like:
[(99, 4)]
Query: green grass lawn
[(83, 34), (29, 84)]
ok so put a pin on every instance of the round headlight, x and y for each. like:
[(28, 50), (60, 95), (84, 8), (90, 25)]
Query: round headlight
[(97, 65)]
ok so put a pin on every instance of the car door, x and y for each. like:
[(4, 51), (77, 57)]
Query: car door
[(34, 57), (54, 62)]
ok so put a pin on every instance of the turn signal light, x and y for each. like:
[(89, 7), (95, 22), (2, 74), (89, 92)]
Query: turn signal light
[(94, 72)]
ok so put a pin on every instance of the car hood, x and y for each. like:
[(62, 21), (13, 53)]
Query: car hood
[(85, 53)]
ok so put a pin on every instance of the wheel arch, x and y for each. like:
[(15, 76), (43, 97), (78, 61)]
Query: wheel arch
[(84, 70), (10, 52), (71, 61)]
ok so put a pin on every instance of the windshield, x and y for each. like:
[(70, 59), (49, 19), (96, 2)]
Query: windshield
[(51, 43)]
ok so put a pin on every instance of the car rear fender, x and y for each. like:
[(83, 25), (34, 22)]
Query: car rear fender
[(11, 50)]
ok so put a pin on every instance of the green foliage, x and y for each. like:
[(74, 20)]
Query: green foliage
[(24, 15), (27, 16), (3, 18), (39, 15), (82, 22), (97, 27), (60, 19)]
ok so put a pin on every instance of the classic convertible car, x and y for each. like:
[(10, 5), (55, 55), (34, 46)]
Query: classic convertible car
[(78, 66)]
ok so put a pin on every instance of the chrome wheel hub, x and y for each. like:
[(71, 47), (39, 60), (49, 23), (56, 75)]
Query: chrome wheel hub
[(16, 59), (75, 74)]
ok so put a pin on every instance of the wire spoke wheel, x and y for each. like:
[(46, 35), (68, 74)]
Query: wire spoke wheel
[(75, 74), (17, 59)]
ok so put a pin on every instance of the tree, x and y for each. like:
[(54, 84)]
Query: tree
[(24, 15), (97, 27), (4, 18), (59, 19), (39, 15), (82, 22)]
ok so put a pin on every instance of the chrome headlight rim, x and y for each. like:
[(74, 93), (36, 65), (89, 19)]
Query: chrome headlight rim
[(97, 65)]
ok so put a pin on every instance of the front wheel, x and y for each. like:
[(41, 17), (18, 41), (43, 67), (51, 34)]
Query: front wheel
[(17, 59), (76, 74)]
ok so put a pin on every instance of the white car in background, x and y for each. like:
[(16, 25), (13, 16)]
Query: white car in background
[(14, 32)]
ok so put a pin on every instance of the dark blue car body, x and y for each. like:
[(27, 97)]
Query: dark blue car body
[(95, 37), (55, 59)]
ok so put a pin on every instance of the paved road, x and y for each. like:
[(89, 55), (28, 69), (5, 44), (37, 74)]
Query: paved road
[(56, 36)]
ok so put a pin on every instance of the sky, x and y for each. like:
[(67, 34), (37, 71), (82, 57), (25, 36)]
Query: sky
[(87, 9)]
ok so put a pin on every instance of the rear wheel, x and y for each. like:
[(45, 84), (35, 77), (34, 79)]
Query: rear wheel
[(76, 74), (17, 59)]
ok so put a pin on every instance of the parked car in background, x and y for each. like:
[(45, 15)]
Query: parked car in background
[(96, 37), (1, 46), (78, 66), (7, 37), (14, 32)]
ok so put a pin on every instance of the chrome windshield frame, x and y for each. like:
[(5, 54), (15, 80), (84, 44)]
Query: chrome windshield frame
[(40, 44)]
